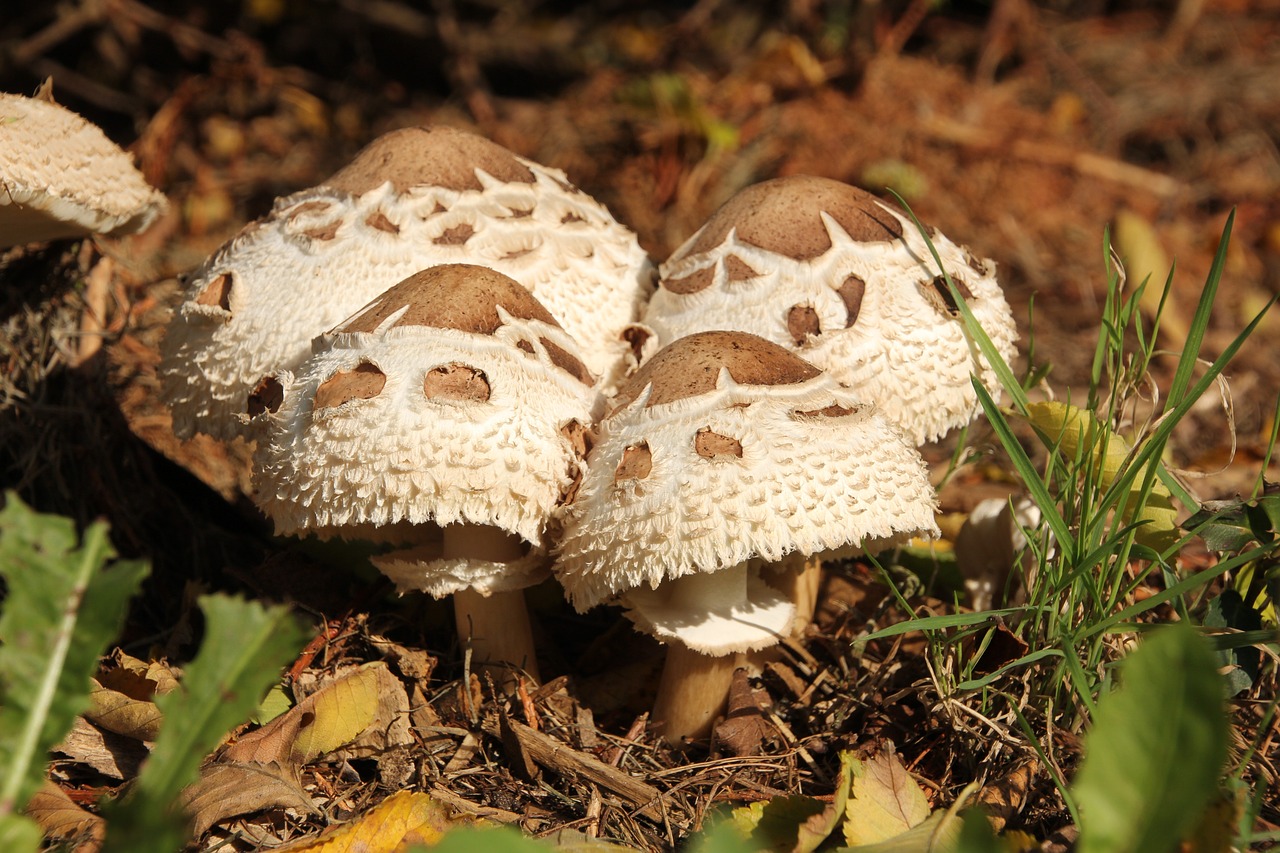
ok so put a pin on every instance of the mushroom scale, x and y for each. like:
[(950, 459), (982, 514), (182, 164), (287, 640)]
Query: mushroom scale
[(846, 282), (62, 177), (815, 471), (413, 198), (450, 399)]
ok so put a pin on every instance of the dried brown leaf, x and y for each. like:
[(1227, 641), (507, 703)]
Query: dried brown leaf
[(108, 753), (60, 818), (226, 790)]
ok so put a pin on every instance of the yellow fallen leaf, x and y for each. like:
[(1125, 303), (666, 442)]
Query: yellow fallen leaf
[(124, 715), (401, 820), (334, 715), (1076, 431), (1138, 245), (884, 801)]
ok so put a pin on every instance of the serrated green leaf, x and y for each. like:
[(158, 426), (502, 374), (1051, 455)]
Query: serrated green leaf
[(63, 609), (245, 644), (1157, 747)]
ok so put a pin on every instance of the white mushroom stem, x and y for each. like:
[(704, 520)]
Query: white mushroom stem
[(695, 685), (495, 626), (800, 582), (692, 693)]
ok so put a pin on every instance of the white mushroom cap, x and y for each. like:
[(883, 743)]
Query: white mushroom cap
[(412, 199), (725, 448), (452, 398), (60, 176), (846, 282)]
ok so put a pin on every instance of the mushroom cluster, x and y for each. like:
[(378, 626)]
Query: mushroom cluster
[(442, 349), (412, 199)]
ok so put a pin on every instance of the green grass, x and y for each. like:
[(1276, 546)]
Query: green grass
[(1096, 471)]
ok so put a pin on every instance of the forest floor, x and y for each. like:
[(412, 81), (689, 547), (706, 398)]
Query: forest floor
[(1023, 131)]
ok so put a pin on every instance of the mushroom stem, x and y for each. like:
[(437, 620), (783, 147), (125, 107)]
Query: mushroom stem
[(495, 626), (692, 692), (800, 582)]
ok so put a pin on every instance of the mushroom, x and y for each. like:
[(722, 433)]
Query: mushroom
[(412, 199), (725, 452), (62, 177), (845, 281), (449, 414)]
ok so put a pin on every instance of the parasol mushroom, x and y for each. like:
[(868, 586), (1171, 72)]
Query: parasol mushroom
[(724, 452), (412, 199), (450, 414), (845, 281), (60, 176)]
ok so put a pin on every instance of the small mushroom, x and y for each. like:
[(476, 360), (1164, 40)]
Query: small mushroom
[(448, 414), (846, 282), (412, 199), (60, 176), (725, 452)]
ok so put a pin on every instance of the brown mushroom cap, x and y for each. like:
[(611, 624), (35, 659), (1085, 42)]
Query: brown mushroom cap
[(411, 200), (693, 367), (782, 216), (438, 156), (62, 177)]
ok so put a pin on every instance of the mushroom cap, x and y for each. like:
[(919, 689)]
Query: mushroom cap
[(847, 282), (60, 176), (452, 397), (725, 447), (412, 199)]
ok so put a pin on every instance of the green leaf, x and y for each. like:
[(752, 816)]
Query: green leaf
[(245, 644), (19, 834), (1157, 747), (63, 609)]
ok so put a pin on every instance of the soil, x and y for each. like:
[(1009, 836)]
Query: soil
[(1024, 131)]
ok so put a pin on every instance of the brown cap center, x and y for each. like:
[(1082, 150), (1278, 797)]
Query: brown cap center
[(428, 156), (452, 296), (784, 216), (690, 366)]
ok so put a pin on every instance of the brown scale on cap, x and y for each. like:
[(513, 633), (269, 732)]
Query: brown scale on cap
[(456, 381), (636, 464), (835, 410), (428, 156), (851, 293), (452, 296), (710, 445), (736, 269), (802, 323), (379, 221), (938, 295), (455, 236), (690, 366), (691, 283), (362, 383), (782, 216), (217, 293)]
